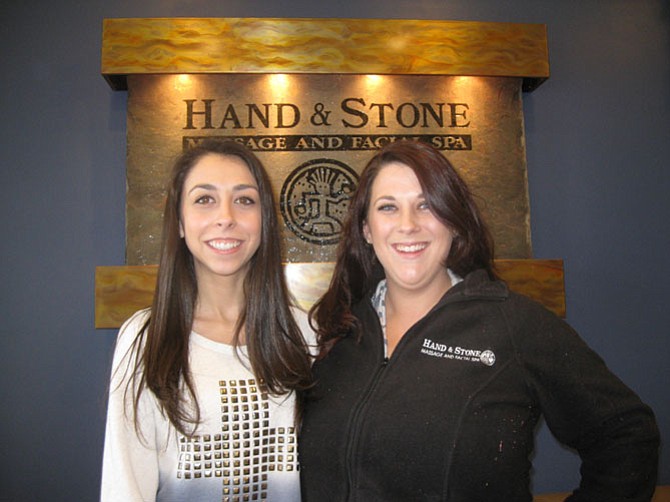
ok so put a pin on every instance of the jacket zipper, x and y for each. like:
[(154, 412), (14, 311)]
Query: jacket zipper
[(356, 423), (357, 418)]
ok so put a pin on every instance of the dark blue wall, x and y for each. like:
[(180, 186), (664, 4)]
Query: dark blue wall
[(598, 147)]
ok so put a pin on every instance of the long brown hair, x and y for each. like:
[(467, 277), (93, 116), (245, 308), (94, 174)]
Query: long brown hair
[(357, 269), (277, 352)]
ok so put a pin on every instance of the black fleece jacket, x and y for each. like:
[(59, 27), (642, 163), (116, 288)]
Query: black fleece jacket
[(452, 414)]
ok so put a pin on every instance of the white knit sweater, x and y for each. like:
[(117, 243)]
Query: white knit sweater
[(244, 449)]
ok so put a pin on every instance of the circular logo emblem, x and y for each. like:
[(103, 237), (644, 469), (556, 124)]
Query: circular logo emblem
[(315, 198), (488, 358)]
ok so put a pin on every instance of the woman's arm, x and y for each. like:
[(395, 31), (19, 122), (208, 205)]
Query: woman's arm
[(130, 460), (590, 409)]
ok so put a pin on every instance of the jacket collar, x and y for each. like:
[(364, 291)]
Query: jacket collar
[(476, 286)]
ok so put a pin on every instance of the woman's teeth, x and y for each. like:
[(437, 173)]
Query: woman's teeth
[(224, 245)]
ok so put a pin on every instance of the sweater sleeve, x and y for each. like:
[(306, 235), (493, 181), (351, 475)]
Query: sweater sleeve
[(130, 461), (588, 408)]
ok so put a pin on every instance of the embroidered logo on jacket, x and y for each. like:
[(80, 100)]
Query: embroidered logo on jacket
[(434, 349)]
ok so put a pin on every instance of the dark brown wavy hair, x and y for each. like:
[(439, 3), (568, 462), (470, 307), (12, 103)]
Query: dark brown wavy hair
[(357, 269), (277, 352)]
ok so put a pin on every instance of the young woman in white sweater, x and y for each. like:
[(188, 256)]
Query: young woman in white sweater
[(202, 395)]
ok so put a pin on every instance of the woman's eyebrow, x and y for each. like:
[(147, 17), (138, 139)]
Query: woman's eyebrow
[(203, 186), (244, 186), (236, 188), (384, 197)]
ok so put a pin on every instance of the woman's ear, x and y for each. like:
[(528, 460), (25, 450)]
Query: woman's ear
[(366, 233), (181, 230)]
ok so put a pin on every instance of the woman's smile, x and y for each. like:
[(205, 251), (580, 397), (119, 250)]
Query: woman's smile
[(225, 244), (410, 248)]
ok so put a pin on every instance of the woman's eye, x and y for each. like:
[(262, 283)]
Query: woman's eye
[(424, 205), (204, 199), (386, 208), (246, 200)]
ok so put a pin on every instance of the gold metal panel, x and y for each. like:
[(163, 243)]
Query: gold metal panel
[(343, 54), (333, 123), (360, 46), (541, 280), (661, 494), (121, 291)]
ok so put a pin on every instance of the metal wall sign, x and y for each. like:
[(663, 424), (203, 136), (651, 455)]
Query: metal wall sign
[(314, 98), (314, 133)]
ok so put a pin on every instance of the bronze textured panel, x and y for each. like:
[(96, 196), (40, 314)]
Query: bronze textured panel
[(315, 133), (313, 98), (271, 45), (661, 494), (121, 291), (541, 280)]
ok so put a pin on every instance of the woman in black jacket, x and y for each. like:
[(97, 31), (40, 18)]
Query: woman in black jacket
[(433, 375)]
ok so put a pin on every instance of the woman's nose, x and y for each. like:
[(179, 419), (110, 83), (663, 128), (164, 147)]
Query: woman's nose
[(408, 220), (225, 216)]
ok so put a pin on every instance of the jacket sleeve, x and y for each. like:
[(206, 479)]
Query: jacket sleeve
[(130, 460), (588, 408)]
